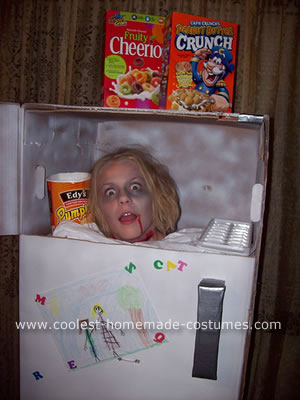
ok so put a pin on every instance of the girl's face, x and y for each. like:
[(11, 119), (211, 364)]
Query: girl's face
[(125, 201)]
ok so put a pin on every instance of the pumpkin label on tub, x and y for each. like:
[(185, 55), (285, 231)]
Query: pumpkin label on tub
[(68, 197)]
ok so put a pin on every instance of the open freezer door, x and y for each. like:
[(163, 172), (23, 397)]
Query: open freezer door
[(10, 120)]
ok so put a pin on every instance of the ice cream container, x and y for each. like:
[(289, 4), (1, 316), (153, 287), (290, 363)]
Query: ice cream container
[(68, 197)]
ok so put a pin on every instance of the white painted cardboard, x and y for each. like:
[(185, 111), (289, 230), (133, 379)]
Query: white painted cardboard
[(165, 371), (216, 161), (10, 143)]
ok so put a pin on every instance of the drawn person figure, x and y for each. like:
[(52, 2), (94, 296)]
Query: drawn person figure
[(89, 341), (211, 79), (108, 337), (133, 197)]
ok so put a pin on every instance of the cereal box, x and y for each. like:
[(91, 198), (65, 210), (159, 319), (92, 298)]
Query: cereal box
[(132, 65), (199, 56)]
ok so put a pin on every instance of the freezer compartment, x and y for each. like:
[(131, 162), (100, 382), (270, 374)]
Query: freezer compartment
[(215, 159)]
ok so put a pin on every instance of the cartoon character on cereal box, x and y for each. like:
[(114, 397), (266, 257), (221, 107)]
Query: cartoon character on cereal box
[(210, 80)]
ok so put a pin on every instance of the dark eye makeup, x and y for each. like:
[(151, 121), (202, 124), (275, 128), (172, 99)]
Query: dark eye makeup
[(110, 192), (135, 186)]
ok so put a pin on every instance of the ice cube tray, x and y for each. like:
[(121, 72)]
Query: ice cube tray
[(227, 236)]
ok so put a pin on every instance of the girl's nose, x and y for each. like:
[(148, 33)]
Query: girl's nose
[(124, 197)]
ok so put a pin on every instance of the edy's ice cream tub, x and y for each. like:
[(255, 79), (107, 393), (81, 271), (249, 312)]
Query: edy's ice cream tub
[(68, 197)]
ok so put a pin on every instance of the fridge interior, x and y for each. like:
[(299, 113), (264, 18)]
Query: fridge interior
[(218, 161)]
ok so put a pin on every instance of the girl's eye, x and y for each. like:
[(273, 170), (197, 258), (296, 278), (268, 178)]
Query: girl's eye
[(135, 187), (110, 192)]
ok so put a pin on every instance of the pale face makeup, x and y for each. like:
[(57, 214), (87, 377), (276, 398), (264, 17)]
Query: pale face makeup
[(125, 201)]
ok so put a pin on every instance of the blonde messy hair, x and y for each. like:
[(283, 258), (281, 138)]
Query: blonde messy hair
[(163, 189)]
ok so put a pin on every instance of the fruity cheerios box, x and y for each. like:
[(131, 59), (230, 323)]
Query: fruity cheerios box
[(132, 65), (199, 57)]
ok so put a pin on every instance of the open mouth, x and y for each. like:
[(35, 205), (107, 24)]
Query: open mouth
[(211, 77), (127, 218)]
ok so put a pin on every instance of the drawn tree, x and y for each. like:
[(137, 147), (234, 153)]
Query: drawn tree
[(132, 300)]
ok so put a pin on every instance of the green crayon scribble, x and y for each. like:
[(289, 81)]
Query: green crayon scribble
[(130, 297)]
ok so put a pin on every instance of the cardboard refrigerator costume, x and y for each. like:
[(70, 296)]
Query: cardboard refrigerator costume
[(193, 276)]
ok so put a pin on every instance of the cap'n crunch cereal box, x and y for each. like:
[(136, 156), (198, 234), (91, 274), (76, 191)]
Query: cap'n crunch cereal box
[(132, 65), (198, 63)]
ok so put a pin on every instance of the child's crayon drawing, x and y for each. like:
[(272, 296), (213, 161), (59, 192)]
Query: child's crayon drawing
[(100, 318)]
